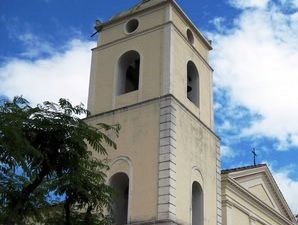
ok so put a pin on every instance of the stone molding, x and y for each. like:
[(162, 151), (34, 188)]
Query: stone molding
[(230, 184), (147, 102), (156, 222), (263, 170), (181, 13), (163, 26), (218, 185), (166, 208)]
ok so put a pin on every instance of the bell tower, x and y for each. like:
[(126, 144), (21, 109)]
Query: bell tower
[(150, 74)]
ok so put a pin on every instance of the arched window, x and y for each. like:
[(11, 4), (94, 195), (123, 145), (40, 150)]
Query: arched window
[(128, 72), (193, 83), (197, 204), (190, 36), (120, 183)]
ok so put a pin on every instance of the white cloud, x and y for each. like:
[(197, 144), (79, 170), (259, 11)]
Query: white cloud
[(289, 3), (226, 152), (243, 4), (288, 187), (34, 46), (225, 126), (218, 22), (63, 74), (256, 61)]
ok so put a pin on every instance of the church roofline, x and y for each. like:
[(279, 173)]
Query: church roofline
[(242, 168), (264, 168), (137, 9), (228, 182)]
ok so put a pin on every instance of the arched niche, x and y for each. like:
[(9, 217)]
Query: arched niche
[(128, 72), (197, 204), (120, 184), (190, 36), (193, 83)]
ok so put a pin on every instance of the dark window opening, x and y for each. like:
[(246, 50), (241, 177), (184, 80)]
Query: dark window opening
[(190, 36), (192, 83), (120, 183), (197, 204), (132, 76), (128, 73)]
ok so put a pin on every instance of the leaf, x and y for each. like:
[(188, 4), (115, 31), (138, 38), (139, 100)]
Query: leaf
[(44, 155)]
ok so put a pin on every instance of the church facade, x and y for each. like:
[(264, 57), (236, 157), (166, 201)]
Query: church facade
[(250, 196), (150, 73)]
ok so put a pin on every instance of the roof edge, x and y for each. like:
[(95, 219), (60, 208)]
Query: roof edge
[(280, 194), (201, 36), (231, 170), (269, 175), (233, 183), (177, 7), (120, 17)]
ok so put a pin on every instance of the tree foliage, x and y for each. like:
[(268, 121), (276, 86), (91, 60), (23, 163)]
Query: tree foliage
[(48, 173)]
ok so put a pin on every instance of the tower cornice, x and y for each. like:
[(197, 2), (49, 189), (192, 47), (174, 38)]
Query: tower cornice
[(137, 9)]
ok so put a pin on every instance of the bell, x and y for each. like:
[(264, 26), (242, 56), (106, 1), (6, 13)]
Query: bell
[(189, 89)]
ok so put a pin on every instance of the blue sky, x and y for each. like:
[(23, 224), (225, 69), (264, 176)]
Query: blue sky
[(255, 60)]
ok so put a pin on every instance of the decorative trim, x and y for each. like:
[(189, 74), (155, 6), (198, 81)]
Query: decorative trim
[(150, 30), (129, 21), (166, 208), (179, 32), (167, 58), (278, 192), (262, 169), (192, 25), (252, 217), (129, 173), (131, 36), (150, 101), (159, 5), (156, 222), (196, 176), (229, 183), (145, 11), (193, 178), (218, 186)]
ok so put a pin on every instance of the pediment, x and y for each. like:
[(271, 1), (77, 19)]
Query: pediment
[(261, 184), (261, 192)]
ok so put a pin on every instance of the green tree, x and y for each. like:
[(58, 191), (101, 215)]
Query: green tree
[(48, 173)]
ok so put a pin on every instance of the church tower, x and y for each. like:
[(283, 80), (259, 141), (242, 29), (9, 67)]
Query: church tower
[(150, 74)]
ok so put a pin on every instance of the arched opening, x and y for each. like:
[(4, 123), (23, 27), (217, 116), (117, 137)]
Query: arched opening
[(128, 72), (190, 36), (120, 183), (192, 83), (197, 204)]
